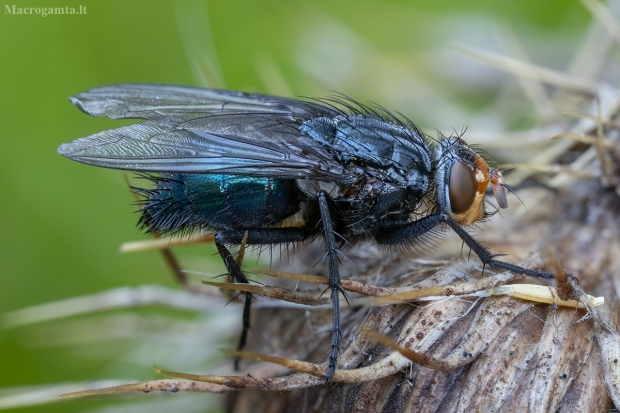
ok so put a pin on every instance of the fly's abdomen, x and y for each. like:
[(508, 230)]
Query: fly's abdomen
[(186, 202)]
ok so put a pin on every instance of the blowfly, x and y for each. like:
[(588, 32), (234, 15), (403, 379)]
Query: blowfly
[(233, 163)]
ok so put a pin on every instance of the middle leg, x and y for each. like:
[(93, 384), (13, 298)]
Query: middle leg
[(334, 282)]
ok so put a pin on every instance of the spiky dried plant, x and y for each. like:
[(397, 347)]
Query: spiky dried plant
[(439, 335), (464, 353)]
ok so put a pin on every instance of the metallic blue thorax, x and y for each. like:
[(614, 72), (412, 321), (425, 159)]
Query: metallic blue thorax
[(382, 149)]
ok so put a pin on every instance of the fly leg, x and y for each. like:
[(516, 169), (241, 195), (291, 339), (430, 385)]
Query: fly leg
[(400, 234), (334, 282), (485, 255), (267, 236), (238, 277)]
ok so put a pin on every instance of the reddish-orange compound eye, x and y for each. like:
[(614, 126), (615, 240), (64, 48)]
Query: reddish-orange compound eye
[(462, 187)]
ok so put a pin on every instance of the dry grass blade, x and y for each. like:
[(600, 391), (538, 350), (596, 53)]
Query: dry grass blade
[(602, 14), (416, 357), (313, 373), (484, 287), (597, 118), (172, 386), (164, 243), (124, 297), (23, 396), (544, 294), (279, 293), (292, 382), (529, 71), (309, 278), (589, 140)]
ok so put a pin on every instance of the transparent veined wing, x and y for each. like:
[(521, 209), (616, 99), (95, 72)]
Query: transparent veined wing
[(203, 131), (165, 102)]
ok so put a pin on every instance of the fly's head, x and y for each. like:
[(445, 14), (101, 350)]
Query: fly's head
[(462, 177)]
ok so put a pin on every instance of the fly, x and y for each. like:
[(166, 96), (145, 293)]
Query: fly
[(233, 163)]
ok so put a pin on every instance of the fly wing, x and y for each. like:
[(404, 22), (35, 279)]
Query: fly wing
[(203, 131), (165, 102), (154, 147)]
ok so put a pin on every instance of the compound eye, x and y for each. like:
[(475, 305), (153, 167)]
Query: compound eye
[(462, 187)]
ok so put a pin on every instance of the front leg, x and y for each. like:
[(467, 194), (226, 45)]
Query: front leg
[(392, 235)]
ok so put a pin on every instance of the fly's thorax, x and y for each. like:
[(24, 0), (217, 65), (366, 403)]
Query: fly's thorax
[(462, 177), (376, 147), (392, 164)]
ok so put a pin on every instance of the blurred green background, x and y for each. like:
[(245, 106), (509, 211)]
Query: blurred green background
[(62, 222)]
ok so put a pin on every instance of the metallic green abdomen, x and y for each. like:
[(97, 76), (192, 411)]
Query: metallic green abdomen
[(185, 202)]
